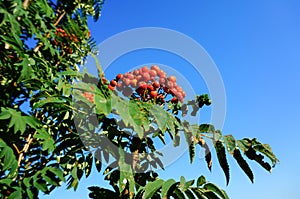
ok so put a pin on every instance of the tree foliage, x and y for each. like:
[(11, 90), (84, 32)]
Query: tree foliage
[(57, 123)]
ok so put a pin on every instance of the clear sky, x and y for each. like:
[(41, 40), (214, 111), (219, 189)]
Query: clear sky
[(256, 47)]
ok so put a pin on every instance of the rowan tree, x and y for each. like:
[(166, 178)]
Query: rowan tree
[(58, 123)]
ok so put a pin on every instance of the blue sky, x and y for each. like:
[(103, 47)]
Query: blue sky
[(256, 46)]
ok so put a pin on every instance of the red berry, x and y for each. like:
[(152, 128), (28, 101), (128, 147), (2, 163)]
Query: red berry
[(130, 76), (126, 81), (178, 88), (183, 94), (146, 77), (138, 77), (136, 72), (113, 83), (156, 84), (174, 100), (179, 95), (119, 76), (133, 82), (162, 80), (153, 94), (145, 69), (174, 92), (155, 67), (140, 90), (142, 84), (170, 85), (166, 89), (150, 88), (110, 87), (152, 73), (172, 79), (161, 74)]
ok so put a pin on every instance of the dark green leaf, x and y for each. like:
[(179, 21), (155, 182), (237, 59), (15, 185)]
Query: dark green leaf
[(189, 194), (216, 190), (98, 159), (210, 195), (165, 188), (152, 187), (221, 154), (230, 144), (243, 164), (201, 181), (208, 157)]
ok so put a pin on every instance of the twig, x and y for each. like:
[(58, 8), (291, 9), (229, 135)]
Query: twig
[(25, 148), (26, 4)]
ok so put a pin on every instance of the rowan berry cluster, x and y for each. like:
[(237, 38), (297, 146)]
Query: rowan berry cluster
[(63, 38), (89, 96), (147, 84)]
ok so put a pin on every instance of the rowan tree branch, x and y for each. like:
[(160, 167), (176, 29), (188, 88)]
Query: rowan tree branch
[(26, 4), (36, 49)]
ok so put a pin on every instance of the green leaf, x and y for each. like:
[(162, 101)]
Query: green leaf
[(103, 103), (252, 155), (17, 194), (52, 181), (10, 162), (16, 121), (190, 141), (206, 128), (230, 143), (99, 193), (189, 194), (264, 149), (27, 70), (48, 142), (165, 188), (160, 117), (211, 195), (199, 193), (58, 172), (216, 190), (40, 185), (152, 187), (26, 182), (71, 73), (29, 193), (5, 114), (126, 175), (243, 164), (208, 157), (221, 154), (98, 159), (201, 181), (139, 117), (32, 121), (178, 194), (48, 100), (247, 146), (182, 181), (88, 167)]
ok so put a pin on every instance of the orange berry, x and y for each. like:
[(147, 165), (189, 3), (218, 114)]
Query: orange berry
[(153, 94), (110, 87), (113, 83)]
